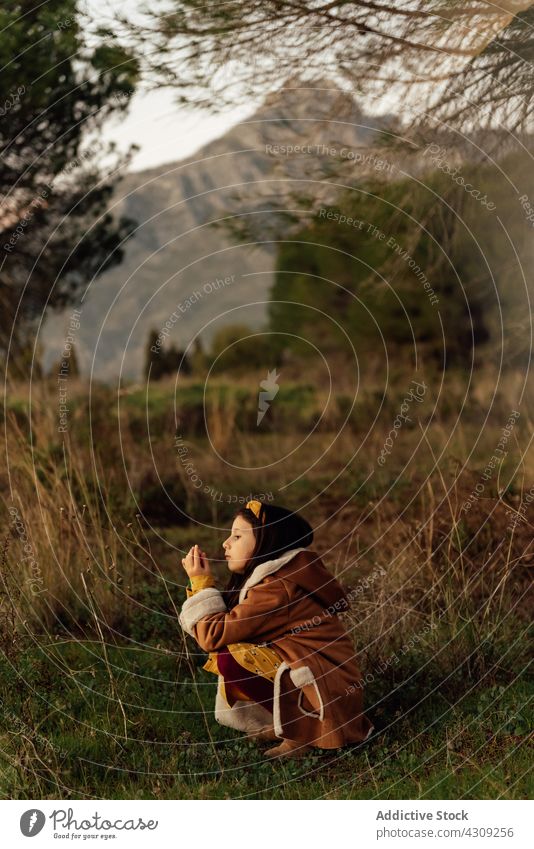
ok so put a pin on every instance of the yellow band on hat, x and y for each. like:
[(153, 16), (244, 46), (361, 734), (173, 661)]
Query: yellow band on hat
[(255, 506)]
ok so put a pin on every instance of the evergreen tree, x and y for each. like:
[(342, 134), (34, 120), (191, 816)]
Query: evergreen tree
[(198, 358), (239, 348), (152, 367), (393, 279), (160, 361), (217, 54), (58, 91)]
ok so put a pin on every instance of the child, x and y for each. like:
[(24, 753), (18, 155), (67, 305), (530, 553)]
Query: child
[(285, 663)]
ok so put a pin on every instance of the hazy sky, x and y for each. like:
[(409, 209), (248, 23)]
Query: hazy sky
[(165, 131)]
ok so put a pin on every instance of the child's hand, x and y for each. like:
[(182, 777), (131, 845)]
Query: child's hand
[(196, 562)]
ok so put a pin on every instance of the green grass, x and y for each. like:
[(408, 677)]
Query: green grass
[(162, 741), (132, 717)]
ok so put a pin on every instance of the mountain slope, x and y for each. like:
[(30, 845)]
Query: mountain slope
[(176, 251)]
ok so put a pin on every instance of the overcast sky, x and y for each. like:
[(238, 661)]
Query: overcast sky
[(165, 132)]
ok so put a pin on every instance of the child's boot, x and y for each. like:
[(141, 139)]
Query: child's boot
[(288, 749)]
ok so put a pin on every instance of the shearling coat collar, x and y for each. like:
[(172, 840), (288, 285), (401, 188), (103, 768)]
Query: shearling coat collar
[(267, 568)]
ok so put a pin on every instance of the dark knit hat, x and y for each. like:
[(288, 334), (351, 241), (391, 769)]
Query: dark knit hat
[(288, 528)]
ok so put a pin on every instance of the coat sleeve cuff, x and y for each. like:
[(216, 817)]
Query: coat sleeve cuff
[(196, 607), (199, 582)]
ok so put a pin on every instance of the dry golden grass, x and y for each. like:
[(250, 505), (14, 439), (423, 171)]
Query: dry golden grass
[(78, 501), (440, 598)]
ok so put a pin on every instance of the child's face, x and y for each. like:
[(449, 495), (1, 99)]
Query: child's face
[(239, 546)]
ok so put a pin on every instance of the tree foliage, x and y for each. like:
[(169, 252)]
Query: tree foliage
[(237, 348), (387, 271), (457, 59), (56, 176), (160, 361)]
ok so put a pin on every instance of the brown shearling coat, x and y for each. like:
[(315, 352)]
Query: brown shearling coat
[(290, 604)]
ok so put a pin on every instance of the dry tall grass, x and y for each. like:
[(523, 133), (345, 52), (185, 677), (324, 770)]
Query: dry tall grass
[(450, 580)]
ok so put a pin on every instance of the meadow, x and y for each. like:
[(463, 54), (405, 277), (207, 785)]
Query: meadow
[(102, 695)]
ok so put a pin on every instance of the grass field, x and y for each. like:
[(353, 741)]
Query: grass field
[(102, 696), (133, 723)]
